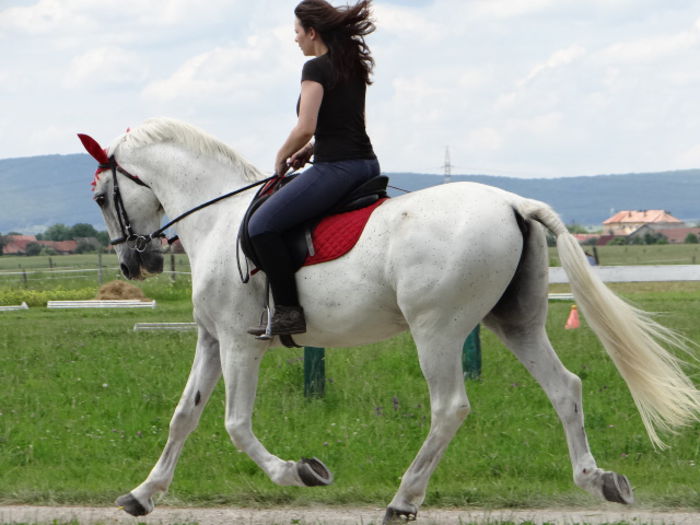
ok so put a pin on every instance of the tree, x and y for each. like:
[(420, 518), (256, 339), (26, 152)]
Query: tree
[(103, 238), (4, 240), (82, 230), (57, 232), (89, 245), (691, 238), (576, 228), (33, 248)]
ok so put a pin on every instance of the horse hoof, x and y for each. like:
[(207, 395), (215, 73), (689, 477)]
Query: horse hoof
[(313, 472), (617, 488), (396, 515), (131, 505)]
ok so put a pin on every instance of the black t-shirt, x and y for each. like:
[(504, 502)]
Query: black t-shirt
[(340, 130)]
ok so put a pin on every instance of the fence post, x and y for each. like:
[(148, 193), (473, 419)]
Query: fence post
[(471, 355), (99, 268), (314, 371), (172, 267)]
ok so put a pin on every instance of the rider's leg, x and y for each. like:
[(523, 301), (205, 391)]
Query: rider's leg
[(274, 258), (309, 195)]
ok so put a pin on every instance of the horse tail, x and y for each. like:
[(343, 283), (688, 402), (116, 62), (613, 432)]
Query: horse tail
[(665, 397)]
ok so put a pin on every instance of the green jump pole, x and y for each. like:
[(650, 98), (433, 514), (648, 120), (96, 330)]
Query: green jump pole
[(314, 371), (471, 355)]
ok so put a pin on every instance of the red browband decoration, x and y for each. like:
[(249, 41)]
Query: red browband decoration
[(98, 153)]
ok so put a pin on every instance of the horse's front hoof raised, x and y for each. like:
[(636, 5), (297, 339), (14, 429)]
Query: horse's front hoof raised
[(313, 472), (131, 505), (397, 515), (617, 488)]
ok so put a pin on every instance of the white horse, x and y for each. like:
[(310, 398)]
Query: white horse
[(435, 262)]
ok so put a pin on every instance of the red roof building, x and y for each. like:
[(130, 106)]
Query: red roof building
[(678, 235), (629, 221), (17, 244)]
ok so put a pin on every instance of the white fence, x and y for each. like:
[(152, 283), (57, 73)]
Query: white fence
[(22, 306), (629, 274), (116, 303)]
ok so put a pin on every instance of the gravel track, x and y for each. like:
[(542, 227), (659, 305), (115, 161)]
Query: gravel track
[(317, 515)]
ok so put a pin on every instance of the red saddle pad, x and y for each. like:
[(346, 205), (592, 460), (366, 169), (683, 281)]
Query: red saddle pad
[(335, 235)]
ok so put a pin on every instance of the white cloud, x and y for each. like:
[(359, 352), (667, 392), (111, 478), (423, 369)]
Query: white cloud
[(508, 8), (558, 59), (105, 67), (607, 85), (405, 21), (243, 72), (652, 49), (690, 158), (484, 139)]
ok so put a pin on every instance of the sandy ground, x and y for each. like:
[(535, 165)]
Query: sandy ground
[(337, 515)]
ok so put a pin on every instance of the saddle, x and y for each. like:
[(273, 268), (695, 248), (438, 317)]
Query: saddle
[(299, 240)]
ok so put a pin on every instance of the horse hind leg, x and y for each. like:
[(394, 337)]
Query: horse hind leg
[(440, 361), (563, 388), (519, 321)]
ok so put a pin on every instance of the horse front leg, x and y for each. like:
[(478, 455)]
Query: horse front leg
[(440, 361), (205, 372), (241, 368)]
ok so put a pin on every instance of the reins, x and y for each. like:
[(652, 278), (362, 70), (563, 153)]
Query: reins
[(139, 242)]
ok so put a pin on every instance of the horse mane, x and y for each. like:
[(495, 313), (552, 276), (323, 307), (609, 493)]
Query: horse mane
[(161, 129)]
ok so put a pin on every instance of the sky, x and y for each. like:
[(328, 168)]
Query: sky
[(521, 88)]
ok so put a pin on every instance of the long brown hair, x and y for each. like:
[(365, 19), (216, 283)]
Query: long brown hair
[(343, 30)]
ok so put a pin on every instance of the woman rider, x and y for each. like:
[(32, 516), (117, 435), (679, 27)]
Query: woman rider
[(331, 110)]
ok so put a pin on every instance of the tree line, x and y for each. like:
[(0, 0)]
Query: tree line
[(88, 238)]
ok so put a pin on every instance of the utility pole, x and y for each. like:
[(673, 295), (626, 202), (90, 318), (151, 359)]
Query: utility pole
[(447, 166)]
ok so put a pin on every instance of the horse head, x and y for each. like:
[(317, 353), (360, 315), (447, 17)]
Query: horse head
[(128, 206)]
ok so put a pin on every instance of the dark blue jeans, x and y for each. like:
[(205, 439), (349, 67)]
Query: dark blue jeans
[(313, 192)]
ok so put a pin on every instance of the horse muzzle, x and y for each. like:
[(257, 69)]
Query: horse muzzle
[(136, 265)]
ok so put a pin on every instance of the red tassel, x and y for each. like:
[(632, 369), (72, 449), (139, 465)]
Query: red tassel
[(94, 149), (573, 320)]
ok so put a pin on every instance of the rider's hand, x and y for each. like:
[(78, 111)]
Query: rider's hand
[(281, 167), (301, 157)]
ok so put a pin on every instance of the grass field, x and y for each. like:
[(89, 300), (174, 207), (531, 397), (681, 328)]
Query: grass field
[(86, 402), (641, 254)]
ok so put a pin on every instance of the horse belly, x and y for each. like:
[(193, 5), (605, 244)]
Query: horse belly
[(448, 252)]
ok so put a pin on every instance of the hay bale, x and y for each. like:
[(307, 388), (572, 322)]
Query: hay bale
[(120, 290)]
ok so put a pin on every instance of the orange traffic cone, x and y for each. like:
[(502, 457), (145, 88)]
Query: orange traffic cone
[(573, 320)]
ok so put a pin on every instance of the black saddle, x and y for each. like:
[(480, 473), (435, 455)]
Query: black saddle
[(298, 239)]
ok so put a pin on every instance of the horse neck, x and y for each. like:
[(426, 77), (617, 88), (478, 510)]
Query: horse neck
[(182, 181)]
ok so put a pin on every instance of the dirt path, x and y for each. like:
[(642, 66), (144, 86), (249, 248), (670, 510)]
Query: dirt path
[(337, 515)]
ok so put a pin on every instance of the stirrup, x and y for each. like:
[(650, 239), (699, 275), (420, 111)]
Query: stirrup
[(267, 335)]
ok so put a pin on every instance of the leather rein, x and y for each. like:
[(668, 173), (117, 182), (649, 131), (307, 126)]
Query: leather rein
[(137, 241)]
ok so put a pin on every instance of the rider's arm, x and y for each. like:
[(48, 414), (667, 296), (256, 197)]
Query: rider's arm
[(301, 134)]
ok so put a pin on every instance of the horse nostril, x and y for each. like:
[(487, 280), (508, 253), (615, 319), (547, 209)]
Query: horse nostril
[(125, 270)]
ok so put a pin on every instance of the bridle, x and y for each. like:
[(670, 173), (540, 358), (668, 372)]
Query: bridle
[(137, 241), (132, 239)]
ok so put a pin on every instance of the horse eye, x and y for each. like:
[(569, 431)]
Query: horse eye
[(101, 200)]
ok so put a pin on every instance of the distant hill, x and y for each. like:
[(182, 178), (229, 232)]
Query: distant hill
[(36, 192)]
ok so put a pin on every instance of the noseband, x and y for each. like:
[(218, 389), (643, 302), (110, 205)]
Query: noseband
[(137, 241)]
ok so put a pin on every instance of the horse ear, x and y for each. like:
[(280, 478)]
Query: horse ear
[(94, 149)]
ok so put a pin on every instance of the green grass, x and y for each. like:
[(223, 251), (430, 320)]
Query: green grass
[(85, 406), (640, 254)]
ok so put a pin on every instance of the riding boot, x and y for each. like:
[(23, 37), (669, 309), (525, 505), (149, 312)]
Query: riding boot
[(275, 261)]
